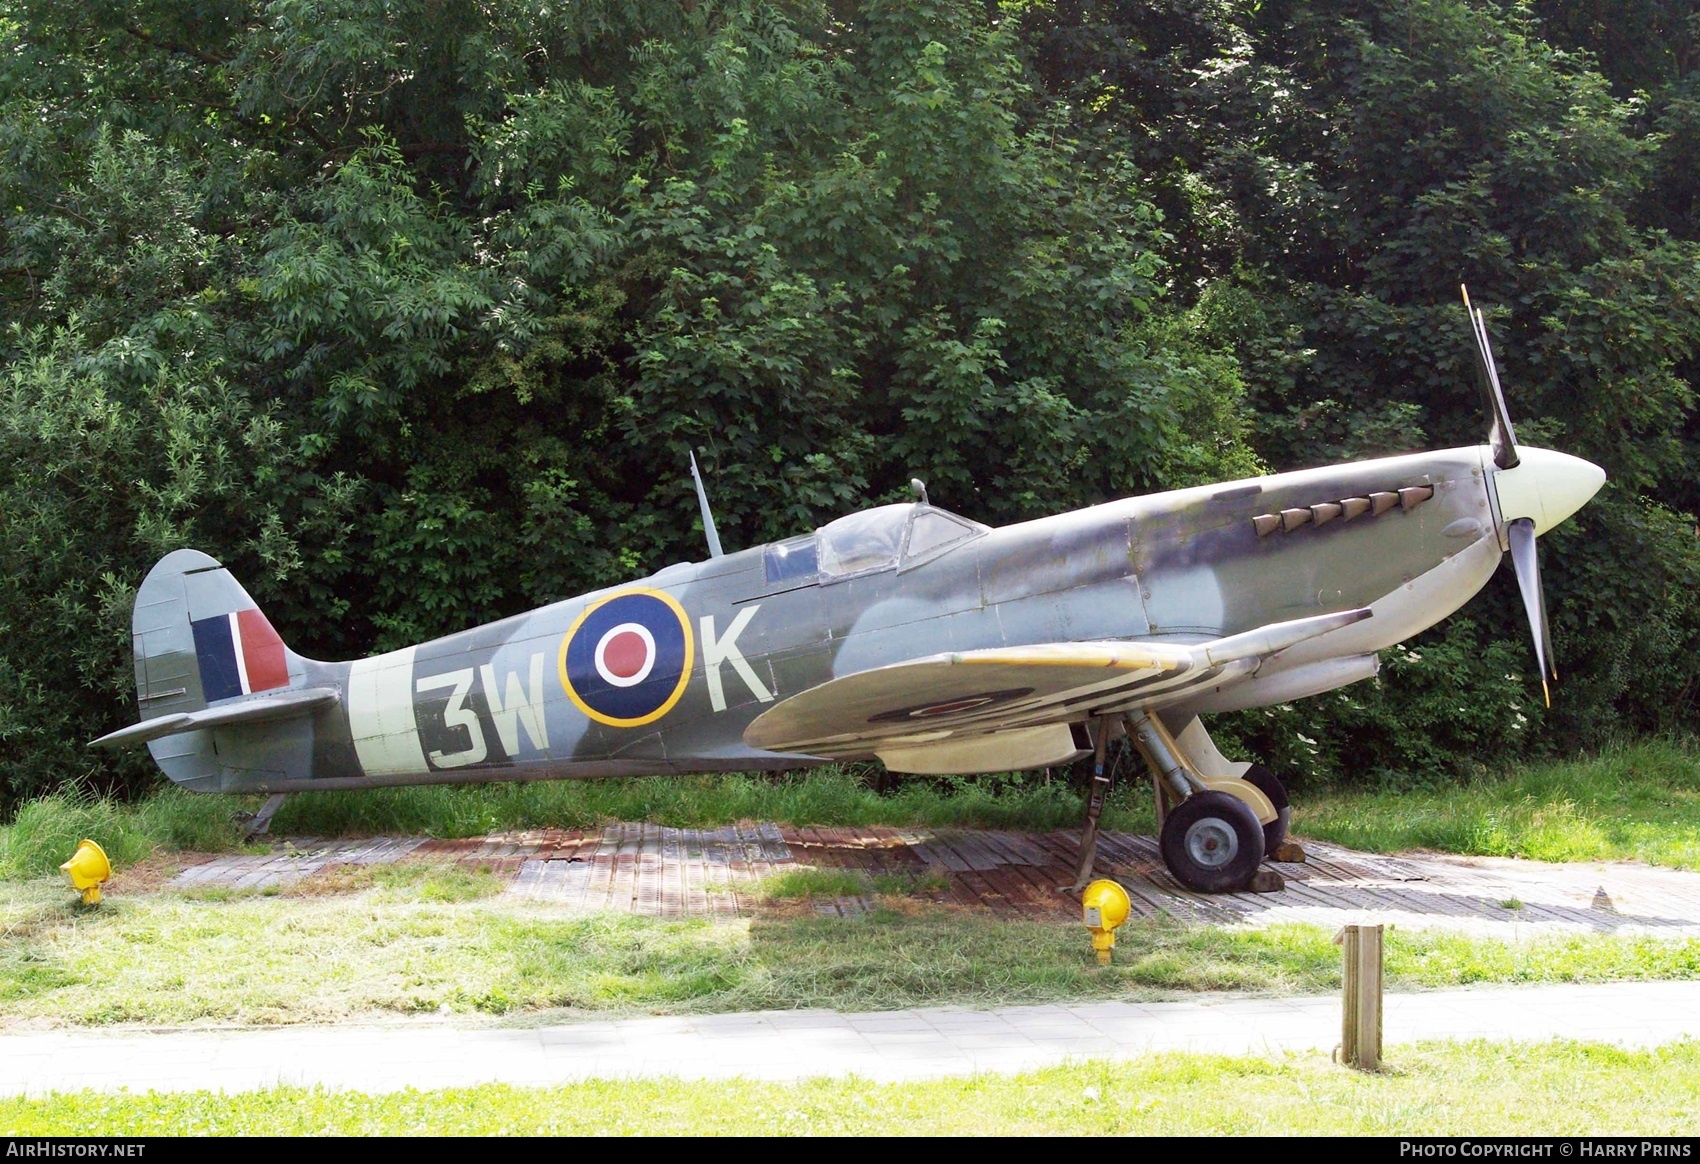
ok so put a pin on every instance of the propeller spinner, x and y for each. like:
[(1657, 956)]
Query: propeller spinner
[(1534, 490)]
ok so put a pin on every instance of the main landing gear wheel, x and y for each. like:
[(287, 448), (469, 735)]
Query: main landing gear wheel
[(1266, 782), (1212, 843)]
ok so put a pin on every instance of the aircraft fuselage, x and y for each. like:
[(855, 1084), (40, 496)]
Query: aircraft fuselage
[(665, 674)]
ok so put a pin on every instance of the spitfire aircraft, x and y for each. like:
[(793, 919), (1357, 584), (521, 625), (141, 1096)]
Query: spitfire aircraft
[(902, 633)]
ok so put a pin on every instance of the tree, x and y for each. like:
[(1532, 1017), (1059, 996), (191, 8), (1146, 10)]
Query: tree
[(1347, 167), (454, 288)]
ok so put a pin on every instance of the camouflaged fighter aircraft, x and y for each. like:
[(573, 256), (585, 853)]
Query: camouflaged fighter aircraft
[(902, 633)]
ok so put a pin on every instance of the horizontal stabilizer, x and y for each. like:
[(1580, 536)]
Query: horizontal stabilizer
[(283, 705)]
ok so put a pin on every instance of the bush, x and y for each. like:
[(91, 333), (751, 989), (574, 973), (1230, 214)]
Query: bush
[(1443, 704)]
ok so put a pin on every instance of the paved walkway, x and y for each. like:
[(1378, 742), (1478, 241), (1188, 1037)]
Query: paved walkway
[(657, 871), (890, 1045)]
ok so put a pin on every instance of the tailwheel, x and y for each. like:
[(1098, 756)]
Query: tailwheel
[(1275, 832), (1212, 843)]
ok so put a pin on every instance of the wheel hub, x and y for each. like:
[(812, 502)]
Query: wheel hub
[(1212, 842)]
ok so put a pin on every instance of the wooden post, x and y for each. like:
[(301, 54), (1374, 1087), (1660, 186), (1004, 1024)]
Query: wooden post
[(1369, 997), (1347, 940), (1360, 996)]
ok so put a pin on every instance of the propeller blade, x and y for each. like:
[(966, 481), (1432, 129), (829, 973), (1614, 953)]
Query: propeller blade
[(1522, 535), (1500, 436)]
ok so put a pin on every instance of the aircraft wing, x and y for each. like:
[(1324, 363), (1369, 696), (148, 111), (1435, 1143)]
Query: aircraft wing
[(966, 693)]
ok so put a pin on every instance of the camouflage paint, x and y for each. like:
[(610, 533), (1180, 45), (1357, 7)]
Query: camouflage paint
[(503, 701)]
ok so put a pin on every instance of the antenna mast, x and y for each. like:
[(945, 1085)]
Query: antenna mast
[(714, 550)]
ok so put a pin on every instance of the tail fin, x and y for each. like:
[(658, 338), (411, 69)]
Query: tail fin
[(207, 659), (200, 639)]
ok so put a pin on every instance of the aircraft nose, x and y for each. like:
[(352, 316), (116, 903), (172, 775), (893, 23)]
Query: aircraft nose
[(1546, 487)]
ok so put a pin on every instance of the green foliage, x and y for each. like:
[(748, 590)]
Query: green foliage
[(105, 464), (1333, 172), (1435, 710), (410, 312), (427, 303)]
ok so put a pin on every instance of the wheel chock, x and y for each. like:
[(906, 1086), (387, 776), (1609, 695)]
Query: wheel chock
[(1266, 881)]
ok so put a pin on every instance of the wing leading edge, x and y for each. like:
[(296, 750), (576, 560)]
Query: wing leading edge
[(964, 694)]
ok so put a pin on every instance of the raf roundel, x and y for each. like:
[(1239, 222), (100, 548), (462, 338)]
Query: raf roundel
[(626, 661)]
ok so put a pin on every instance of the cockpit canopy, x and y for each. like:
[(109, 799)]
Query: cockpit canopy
[(874, 539)]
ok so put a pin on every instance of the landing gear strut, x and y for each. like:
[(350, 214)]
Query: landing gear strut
[(1276, 846), (1094, 807), (1217, 820), (261, 822)]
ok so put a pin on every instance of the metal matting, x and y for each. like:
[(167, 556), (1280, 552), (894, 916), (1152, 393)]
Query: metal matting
[(659, 871)]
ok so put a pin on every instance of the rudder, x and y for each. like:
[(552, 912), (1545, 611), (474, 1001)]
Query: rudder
[(201, 641)]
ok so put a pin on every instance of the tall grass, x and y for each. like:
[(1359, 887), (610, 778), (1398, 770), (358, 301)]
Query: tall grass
[(1636, 801), (415, 937), (46, 831), (824, 797)]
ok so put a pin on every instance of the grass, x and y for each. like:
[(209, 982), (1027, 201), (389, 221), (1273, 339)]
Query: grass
[(408, 881), (46, 831), (801, 884), (1638, 802), (417, 938), (1435, 1089), (822, 796)]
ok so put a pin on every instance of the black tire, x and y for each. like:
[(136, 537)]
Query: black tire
[(1276, 831), (1212, 843)]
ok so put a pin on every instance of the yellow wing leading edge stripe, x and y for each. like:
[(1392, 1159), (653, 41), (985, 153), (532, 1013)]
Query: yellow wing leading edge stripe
[(1130, 659)]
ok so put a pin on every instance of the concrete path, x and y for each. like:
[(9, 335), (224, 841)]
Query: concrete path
[(889, 1045)]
